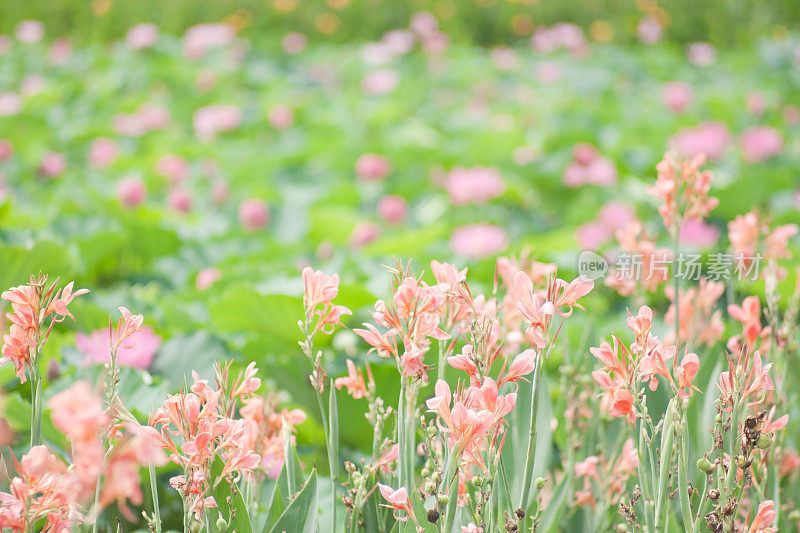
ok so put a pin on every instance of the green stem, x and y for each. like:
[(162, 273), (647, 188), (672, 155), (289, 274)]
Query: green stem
[(405, 435), (36, 408), (683, 481), (664, 467), (701, 507), (644, 480), (450, 482), (154, 490), (529, 459)]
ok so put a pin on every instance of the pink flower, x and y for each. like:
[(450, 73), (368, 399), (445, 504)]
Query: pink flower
[(253, 214), (210, 120), (318, 287), (372, 167), (617, 399), (504, 57), (711, 138), (78, 412), (131, 191), (364, 233), (649, 30), (199, 39), (281, 116), (756, 103), (392, 209), (207, 277), (698, 234), (142, 36), (52, 164), (477, 241), (173, 167), (137, 352), (791, 114), (10, 104), (380, 81), (760, 143), (353, 381), (686, 372), (30, 31), (180, 200), (588, 167), (701, 54), (548, 72), (31, 85), (677, 96), (592, 235), (294, 43), (60, 50), (6, 149), (398, 501), (219, 192), (102, 153), (764, 519), (474, 185), (424, 24)]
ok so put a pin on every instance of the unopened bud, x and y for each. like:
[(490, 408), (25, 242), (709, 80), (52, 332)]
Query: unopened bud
[(222, 524), (704, 465), (741, 461), (539, 482)]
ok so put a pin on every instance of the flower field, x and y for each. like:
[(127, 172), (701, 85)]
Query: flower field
[(412, 284)]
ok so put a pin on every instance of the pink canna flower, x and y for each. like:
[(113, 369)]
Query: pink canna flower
[(683, 189), (686, 372), (617, 399), (253, 214), (477, 241), (760, 143), (131, 191), (354, 381), (137, 352), (78, 413), (319, 288), (588, 467), (392, 209), (710, 138), (398, 501), (372, 167), (521, 366), (764, 519), (749, 314), (677, 96)]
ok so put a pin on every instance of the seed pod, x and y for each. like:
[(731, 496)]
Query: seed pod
[(704, 465), (433, 516), (713, 494), (539, 482)]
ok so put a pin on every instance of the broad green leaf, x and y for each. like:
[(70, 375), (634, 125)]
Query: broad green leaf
[(231, 504), (301, 514)]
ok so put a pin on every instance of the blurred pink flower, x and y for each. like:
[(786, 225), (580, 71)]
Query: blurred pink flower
[(760, 143), (436, 43), (398, 41), (474, 185), (363, 233), (294, 43), (31, 85), (173, 167), (372, 167), (281, 116), (649, 30), (207, 277), (206, 80), (424, 24), (380, 81), (593, 235), (560, 35), (677, 96), (616, 215), (711, 138), (147, 117), (6, 149), (180, 200), (756, 103), (698, 234), (701, 54), (477, 241), (30, 31), (131, 191), (791, 114), (60, 50), (10, 104), (589, 167), (5, 44), (392, 208), (548, 72), (137, 351), (210, 120), (52, 164), (253, 214), (102, 152), (219, 192), (142, 36), (504, 57), (199, 39)]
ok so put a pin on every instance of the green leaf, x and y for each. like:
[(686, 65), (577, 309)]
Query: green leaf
[(230, 502), (181, 354), (272, 316), (550, 520), (301, 515)]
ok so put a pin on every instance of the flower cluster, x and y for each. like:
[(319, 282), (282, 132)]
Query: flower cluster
[(683, 189)]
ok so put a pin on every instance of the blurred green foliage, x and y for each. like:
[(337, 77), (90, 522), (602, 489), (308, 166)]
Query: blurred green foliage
[(486, 22)]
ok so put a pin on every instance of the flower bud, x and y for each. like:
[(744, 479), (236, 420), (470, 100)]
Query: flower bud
[(741, 461), (431, 431), (478, 481), (539, 482), (704, 465), (222, 525)]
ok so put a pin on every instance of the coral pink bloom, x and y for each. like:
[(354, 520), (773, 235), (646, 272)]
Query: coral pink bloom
[(383, 344), (677, 96), (253, 214), (372, 167), (280, 116), (588, 467), (468, 426), (771, 425), (180, 200), (207, 277), (131, 191), (471, 528), (464, 361), (448, 276), (686, 372), (521, 366), (137, 352), (628, 460), (533, 306), (749, 314), (440, 403), (353, 381), (319, 288), (477, 241), (128, 325), (78, 412), (398, 501), (392, 209), (764, 519), (617, 398), (642, 323), (52, 164), (616, 359), (475, 185), (567, 294), (102, 153), (141, 36), (760, 143)]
